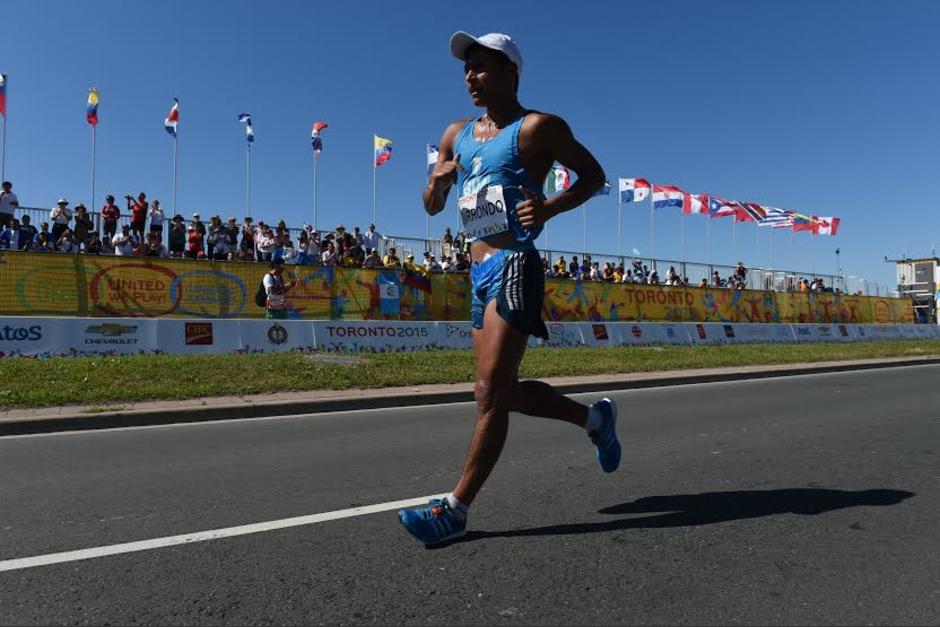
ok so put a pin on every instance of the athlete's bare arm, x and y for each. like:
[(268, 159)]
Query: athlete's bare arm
[(544, 139), (445, 170)]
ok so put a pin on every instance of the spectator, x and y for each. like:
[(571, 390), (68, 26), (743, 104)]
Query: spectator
[(276, 289), (247, 248), (391, 259), (372, 260), (177, 237), (83, 226), (357, 237), (10, 236), (110, 214), (43, 242), (328, 253), (66, 243), (741, 273), (574, 268), (93, 245), (198, 224), (27, 233), (460, 263), (138, 210), (672, 277), (214, 236), (561, 268), (60, 216), (157, 218), (628, 276), (684, 282), (638, 267), (266, 242), (595, 271), (716, 279), (703, 283), (370, 239), (447, 265), (154, 246), (8, 203), (195, 241), (411, 266), (282, 235), (618, 273), (123, 242), (653, 278)]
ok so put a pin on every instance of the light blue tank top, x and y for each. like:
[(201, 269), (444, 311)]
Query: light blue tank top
[(496, 162)]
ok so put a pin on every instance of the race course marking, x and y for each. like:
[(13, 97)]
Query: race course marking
[(204, 536)]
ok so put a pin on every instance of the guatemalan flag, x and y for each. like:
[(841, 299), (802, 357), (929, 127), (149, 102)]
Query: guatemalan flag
[(91, 113), (634, 190), (432, 158), (315, 140), (173, 118), (249, 132), (667, 196), (3, 95)]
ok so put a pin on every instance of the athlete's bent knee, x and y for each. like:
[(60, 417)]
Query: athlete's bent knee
[(492, 396)]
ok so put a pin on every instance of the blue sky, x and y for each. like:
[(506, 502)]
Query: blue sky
[(828, 108)]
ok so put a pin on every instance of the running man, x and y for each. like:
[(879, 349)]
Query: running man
[(497, 161)]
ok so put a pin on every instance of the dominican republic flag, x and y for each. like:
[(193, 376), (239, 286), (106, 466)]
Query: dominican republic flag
[(172, 118), (383, 150), (91, 113), (558, 179), (667, 196), (315, 139), (3, 95), (634, 190), (694, 203), (777, 218), (604, 189), (249, 132), (750, 212), (720, 208), (432, 157), (826, 226)]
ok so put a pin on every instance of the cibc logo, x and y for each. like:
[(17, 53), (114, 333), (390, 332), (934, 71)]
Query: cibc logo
[(21, 334)]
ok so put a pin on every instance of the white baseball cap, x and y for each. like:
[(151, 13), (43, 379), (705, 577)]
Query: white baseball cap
[(461, 41)]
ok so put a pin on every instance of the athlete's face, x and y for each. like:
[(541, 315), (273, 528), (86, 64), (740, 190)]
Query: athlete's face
[(489, 78)]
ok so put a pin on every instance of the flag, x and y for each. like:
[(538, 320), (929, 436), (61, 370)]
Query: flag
[(91, 113), (777, 218), (749, 212), (3, 95), (719, 207), (667, 196), (172, 118), (315, 139), (383, 150), (803, 223), (604, 189), (826, 226), (432, 158), (694, 203), (634, 190), (558, 179), (249, 132)]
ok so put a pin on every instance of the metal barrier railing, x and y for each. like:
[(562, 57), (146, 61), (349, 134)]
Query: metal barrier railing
[(757, 278)]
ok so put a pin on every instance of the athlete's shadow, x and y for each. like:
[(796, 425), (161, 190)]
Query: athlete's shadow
[(689, 510)]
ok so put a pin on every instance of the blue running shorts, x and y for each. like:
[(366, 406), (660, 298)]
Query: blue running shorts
[(515, 279)]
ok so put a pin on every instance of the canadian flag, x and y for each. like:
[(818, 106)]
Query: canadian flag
[(826, 226), (694, 203)]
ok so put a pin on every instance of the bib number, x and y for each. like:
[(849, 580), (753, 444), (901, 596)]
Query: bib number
[(484, 213)]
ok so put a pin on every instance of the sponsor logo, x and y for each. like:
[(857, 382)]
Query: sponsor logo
[(636, 331), (556, 328), (111, 333), (379, 331), (729, 331), (670, 332), (199, 333), (600, 331), (803, 331), (701, 330), (825, 331), (277, 334), (843, 331), (21, 334)]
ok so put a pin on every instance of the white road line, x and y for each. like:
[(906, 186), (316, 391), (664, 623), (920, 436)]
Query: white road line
[(204, 536)]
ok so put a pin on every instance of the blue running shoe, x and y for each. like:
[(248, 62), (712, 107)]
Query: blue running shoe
[(605, 438), (434, 524)]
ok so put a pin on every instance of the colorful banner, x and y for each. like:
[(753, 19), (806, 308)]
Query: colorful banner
[(86, 285)]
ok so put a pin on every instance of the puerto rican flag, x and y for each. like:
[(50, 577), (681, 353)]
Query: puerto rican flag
[(667, 196), (634, 190), (826, 226), (720, 208), (694, 203), (172, 118)]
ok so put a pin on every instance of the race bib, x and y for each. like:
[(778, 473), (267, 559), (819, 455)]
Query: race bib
[(484, 213)]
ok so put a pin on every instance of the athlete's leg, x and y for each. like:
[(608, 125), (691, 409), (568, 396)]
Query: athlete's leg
[(539, 399)]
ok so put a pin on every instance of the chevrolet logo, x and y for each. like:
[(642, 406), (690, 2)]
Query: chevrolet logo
[(111, 329)]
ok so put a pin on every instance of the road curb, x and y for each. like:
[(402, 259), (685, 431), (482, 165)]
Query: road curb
[(149, 417)]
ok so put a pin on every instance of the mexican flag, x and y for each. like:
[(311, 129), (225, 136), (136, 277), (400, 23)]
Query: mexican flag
[(558, 179)]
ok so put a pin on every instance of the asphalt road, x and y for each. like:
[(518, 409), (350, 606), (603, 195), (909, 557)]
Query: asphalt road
[(799, 500)]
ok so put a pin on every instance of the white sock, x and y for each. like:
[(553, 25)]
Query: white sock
[(594, 419), (456, 505)]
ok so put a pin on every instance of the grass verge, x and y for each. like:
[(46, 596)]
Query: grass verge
[(122, 380)]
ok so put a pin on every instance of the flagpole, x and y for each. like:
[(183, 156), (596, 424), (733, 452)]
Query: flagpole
[(175, 140), (583, 231), (682, 228), (94, 133), (316, 200), (652, 232), (374, 168), (619, 223), (708, 241), (248, 178), (3, 145), (734, 242)]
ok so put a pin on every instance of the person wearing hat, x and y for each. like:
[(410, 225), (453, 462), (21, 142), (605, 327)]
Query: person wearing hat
[(83, 225), (176, 237), (277, 306), (410, 266), (110, 214), (499, 160), (198, 224), (60, 216)]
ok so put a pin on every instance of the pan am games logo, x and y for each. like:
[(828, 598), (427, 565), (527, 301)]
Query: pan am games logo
[(277, 334), (600, 331)]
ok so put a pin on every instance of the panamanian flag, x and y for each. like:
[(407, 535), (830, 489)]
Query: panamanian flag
[(667, 196), (634, 190), (172, 118)]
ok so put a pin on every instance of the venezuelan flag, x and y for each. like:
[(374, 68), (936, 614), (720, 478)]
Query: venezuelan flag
[(91, 113), (383, 150)]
